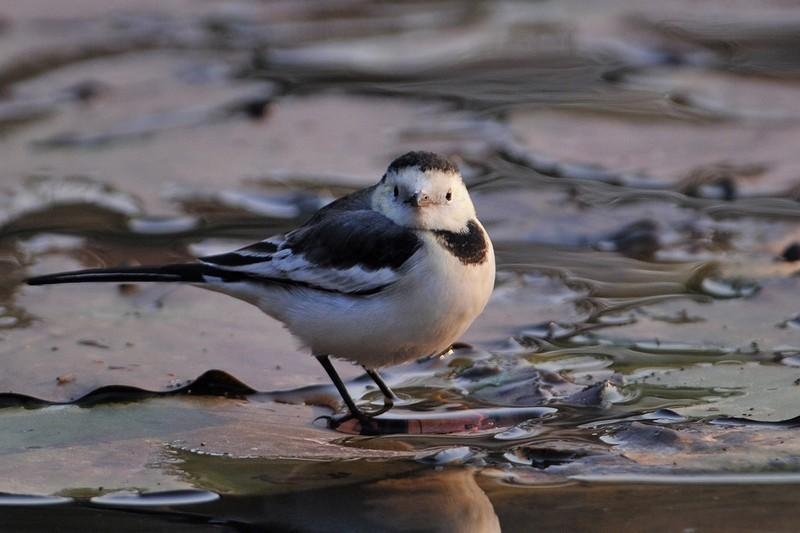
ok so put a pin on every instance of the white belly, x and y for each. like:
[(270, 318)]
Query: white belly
[(421, 314)]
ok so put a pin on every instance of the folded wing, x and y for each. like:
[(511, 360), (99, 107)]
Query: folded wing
[(348, 251)]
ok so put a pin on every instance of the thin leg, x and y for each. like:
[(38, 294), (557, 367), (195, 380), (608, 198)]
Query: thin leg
[(381, 384), (339, 384), (388, 396)]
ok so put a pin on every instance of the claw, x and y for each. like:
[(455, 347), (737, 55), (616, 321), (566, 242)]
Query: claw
[(388, 403), (365, 426)]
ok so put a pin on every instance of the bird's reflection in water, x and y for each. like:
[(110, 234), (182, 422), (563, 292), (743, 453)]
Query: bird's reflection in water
[(446, 500), (429, 500)]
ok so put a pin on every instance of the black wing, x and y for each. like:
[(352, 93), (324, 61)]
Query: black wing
[(342, 250)]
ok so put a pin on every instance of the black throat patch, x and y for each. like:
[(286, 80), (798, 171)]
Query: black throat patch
[(469, 247)]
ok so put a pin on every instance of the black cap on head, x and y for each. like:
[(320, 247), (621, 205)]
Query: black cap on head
[(424, 161)]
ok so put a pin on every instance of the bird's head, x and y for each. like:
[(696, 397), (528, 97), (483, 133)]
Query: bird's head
[(423, 190)]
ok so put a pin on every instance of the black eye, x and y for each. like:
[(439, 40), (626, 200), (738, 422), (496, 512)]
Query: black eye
[(396, 191), (449, 195)]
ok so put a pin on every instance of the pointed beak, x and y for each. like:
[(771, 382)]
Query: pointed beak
[(419, 199)]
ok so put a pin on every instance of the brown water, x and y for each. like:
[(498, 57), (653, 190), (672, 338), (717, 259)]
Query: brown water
[(636, 163)]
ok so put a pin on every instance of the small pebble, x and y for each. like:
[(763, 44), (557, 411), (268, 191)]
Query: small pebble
[(65, 378), (791, 253)]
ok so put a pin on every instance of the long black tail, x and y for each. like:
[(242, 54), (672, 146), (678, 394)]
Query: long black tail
[(188, 272)]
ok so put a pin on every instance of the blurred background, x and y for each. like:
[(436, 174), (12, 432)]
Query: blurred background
[(635, 163)]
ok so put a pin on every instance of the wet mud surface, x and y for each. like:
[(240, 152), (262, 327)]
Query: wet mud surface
[(636, 164)]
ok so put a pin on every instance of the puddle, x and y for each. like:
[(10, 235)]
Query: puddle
[(26, 500), (155, 499), (637, 363)]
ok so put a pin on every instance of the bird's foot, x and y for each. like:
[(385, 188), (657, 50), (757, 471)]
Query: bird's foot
[(362, 423), (388, 403)]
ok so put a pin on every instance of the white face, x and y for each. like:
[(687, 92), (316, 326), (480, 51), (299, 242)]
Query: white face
[(432, 200)]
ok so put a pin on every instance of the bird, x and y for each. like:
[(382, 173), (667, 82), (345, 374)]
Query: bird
[(390, 273)]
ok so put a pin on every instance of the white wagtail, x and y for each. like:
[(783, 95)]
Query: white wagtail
[(390, 273)]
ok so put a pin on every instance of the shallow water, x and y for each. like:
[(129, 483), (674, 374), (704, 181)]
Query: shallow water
[(637, 367)]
